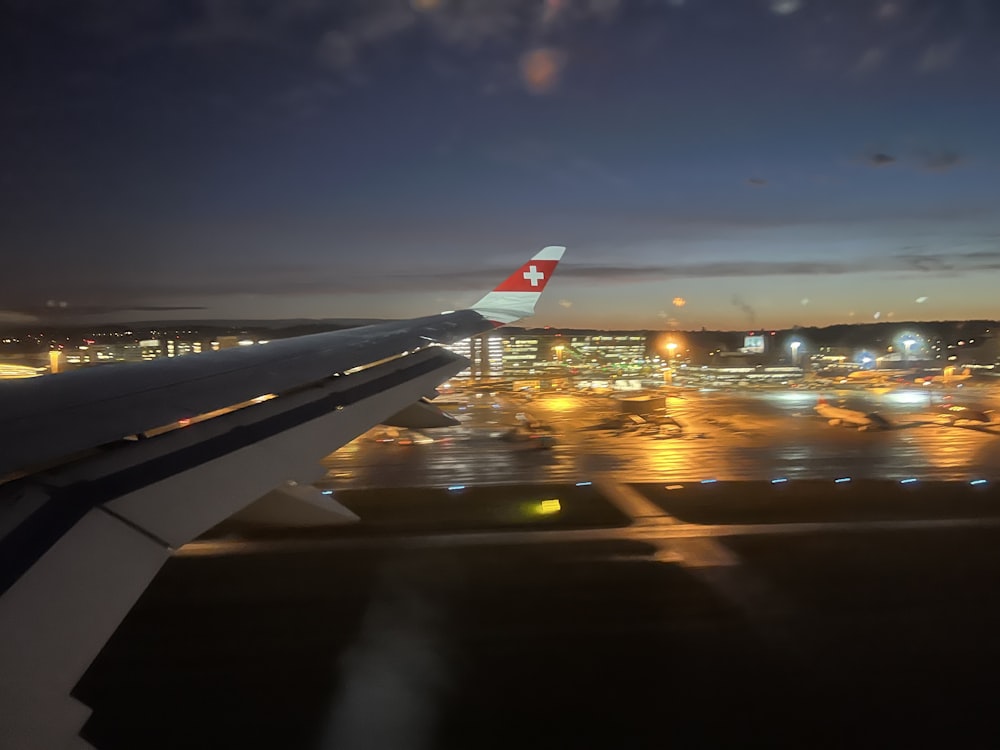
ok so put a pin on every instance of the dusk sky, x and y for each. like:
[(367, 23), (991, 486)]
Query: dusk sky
[(764, 162)]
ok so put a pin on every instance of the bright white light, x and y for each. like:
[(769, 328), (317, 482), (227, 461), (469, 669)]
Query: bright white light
[(779, 480), (974, 482), (455, 487), (709, 481), (841, 480), (907, 397), (911, 480), (583, 484)]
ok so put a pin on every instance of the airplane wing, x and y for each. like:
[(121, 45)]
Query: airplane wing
[(105, 471)]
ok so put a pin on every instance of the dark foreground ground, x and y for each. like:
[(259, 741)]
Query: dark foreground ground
[(652, 635)]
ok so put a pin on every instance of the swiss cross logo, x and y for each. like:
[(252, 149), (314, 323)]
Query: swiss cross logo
[(533, 275)]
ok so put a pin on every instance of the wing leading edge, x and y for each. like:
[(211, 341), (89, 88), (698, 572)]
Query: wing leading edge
[(103, 481)]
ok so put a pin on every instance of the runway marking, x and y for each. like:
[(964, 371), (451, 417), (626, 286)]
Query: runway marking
[(703, 552), (631, 502), (646, 532)]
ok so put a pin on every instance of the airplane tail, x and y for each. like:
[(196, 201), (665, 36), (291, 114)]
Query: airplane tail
[(515, 298), (822, 400)]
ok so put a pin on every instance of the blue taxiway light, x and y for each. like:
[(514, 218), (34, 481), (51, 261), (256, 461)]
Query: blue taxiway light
[(583, 484), (911, 480), (779, 480), (709, 481), (457, 487), (974, 482), (841, 480)]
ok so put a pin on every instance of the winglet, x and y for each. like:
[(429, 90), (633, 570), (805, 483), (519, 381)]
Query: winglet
[(515, 298)]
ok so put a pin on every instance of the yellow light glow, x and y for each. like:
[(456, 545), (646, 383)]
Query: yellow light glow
[(561, 403), (16, 372), (548, 507)]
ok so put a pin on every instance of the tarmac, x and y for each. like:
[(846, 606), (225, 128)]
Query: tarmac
[(592, 603)]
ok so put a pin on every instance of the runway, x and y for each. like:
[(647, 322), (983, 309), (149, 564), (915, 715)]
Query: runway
[(804, 638), (645, 632), (606, 598)]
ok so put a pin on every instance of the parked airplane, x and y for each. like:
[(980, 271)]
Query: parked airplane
[(948, 376), (105, 472), (954, 414), (838, 415), (876, 376)]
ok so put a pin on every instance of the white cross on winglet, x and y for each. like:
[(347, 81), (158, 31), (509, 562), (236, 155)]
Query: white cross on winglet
[(533, 275)]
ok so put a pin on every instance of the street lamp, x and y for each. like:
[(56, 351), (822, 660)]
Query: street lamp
[(559, 350), (795, 351), (906, 348)]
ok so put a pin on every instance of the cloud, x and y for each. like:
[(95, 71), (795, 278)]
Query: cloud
[(785, 7), (17, 317), (880, 159), (604, 8), (976, 260), (940, 161), (871, 59), (930, 159), (71, 310), (341, 48), (756, 181), (939, 56), (472, 25), (337, 50), (887, 11), (215, 288)]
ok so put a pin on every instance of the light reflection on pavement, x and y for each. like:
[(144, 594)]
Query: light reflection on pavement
[(727, 436)]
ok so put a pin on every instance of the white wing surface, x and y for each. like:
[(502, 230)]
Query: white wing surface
[(105, 471)]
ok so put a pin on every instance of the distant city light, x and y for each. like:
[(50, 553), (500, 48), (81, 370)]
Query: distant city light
[(583, 484), (910, 480), (709, 481), (779, 480), (841, 480), (456, 487), (975, 482)]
